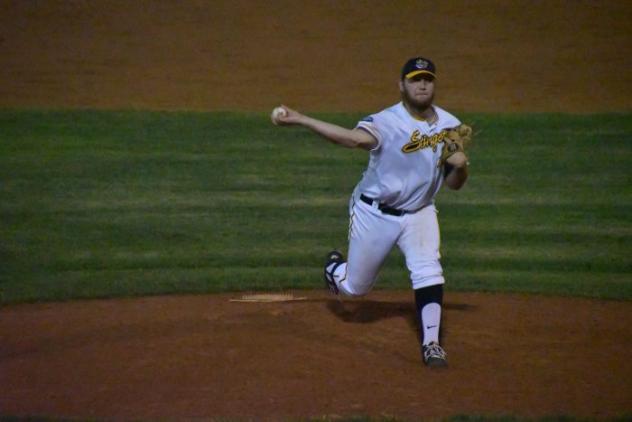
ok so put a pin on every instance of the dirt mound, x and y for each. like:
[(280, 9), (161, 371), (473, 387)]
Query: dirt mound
[(204, 356)]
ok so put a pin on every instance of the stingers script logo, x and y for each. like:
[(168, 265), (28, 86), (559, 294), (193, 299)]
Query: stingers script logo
[(419, 141)]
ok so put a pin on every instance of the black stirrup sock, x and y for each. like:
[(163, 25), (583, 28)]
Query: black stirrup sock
[(428, 301)]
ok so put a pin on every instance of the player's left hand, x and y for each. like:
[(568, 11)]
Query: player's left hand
[(455, 142), (457, 160)]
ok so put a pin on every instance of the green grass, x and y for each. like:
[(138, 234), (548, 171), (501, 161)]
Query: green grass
[(103, 204)]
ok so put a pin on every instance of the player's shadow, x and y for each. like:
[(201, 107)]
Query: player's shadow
[(369, 311)]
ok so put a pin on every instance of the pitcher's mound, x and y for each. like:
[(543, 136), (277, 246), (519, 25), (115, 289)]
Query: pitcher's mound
[(207, 357)]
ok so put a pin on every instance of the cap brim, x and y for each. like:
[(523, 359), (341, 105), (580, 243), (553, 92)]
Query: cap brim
[(419, 72)]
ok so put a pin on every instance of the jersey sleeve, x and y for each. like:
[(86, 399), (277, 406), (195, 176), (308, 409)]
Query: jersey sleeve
[(370, 125)]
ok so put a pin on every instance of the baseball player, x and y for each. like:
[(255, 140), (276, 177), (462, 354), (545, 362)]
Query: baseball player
[(414, 147)]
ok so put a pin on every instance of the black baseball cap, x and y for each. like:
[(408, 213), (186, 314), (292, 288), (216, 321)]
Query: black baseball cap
[(417, 66)]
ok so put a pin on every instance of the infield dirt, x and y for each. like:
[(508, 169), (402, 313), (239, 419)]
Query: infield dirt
[(204, 356), (201, 357)]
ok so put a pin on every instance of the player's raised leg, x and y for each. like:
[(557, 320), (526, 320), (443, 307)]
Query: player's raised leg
[(372, 235)]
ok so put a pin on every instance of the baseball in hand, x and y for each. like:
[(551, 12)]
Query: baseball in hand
[(276, 113)]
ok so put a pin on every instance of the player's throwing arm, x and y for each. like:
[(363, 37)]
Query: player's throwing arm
[(285, 116)]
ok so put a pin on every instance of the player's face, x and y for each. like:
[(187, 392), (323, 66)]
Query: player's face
[(418, 91)]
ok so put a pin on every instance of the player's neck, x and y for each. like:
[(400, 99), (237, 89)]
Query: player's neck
[(427, 114)]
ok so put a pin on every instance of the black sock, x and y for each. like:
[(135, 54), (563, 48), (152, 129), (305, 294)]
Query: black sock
[(429, 301)]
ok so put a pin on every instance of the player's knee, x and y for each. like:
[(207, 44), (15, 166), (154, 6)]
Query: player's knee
[(425, 272), (354, 290), (421, 281)]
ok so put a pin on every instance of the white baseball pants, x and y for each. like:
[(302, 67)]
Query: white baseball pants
[(372, 235)]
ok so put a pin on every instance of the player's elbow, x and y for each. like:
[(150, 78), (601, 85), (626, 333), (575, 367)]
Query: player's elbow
[(359, 143), (360, 138), (350, 142)]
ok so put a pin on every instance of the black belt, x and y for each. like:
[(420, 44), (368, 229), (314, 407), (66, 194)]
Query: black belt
[(383, 207)]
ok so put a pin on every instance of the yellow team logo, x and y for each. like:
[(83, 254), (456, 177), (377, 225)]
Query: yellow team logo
[(419, 141)]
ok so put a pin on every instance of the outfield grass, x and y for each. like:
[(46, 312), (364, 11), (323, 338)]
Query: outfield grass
[(103, 204)]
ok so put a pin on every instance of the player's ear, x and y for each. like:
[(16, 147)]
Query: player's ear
[(401, 85)]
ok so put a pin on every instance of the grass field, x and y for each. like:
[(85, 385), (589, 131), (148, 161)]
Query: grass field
[(104, 204)]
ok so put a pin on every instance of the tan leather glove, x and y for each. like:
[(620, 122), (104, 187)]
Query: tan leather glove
[(455, 140)]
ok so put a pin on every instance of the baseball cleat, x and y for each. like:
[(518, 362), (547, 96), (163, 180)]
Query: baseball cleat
[(434, 356), (334, 259)]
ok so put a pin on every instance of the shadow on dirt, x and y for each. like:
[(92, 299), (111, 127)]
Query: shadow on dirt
[(369, 311)]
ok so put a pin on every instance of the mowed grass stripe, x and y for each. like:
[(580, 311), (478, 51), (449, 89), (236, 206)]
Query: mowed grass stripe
[(101, 204)]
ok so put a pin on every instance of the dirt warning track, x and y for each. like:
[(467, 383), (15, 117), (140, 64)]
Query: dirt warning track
[(317, 55)]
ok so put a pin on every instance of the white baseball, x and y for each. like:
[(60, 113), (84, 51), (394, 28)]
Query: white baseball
[(276, 113)]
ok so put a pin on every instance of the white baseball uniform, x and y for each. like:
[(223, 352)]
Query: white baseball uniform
[(402, 178)]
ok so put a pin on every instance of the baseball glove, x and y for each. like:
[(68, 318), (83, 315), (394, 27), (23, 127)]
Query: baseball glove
[(455, 140)]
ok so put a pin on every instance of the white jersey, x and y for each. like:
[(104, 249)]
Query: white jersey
[(402, 170)]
